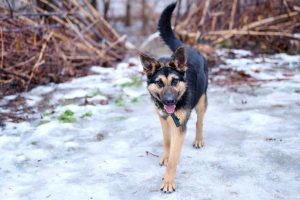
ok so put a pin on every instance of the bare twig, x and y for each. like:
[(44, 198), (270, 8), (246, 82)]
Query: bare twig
[(46, 14), (232, 15), (25, 62), (286, 5), (86, 29), (14, 74), (152, 154), (2, 48), (37, 27), (254, 33), (11, 11), (205, 10), (39, 61)]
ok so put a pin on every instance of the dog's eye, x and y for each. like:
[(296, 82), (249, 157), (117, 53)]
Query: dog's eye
[(174, 82), (160, 83)]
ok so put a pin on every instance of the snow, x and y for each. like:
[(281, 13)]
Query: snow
[(261, 67), (251, 141)]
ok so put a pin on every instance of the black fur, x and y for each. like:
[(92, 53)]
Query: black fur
[(196, 75), (165, 29)]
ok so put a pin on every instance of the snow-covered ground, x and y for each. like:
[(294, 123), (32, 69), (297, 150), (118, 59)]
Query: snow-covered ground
[(89, 138)]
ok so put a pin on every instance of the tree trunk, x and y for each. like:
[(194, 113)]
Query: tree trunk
[(128, 13), (144, 16), (106, 8), (94, 4)]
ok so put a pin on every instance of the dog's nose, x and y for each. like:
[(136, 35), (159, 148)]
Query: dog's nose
[(169, 101), (169, 97)]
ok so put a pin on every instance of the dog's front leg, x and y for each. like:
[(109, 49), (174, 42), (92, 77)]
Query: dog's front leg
[(166, 136), (177, 139)]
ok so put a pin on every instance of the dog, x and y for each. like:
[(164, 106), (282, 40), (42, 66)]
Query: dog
[(177, 85)]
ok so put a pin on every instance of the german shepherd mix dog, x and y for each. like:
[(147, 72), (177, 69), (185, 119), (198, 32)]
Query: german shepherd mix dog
[(177, 85)]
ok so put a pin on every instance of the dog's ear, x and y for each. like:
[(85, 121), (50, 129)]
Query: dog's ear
[(149, 63), (179, 59)]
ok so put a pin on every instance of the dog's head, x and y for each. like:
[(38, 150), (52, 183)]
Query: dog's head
[(166, 78)]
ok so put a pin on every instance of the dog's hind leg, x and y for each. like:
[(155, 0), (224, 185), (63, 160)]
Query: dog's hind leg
[(166, 136), (200, 110)]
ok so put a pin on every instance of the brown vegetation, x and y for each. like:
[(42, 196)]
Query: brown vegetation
[(54, 41), (263, 25)]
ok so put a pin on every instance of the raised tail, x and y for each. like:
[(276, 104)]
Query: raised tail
[(165, 29)]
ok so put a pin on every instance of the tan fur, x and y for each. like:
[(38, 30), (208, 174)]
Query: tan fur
[(177, 139), (200, 110), (181, 87), (167, 142), (171, 77), (162, 78), (167, 80), (154, 90)]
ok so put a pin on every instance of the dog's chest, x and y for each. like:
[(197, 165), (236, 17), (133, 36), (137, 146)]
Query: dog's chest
[(161, 112)]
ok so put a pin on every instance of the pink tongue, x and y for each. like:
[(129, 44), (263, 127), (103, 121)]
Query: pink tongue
[(170, 108)]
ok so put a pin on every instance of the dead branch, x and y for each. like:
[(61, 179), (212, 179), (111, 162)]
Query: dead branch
[(232, 15), (205, 10), (39, 61), (2, 48), (14, 74), (254, 33)]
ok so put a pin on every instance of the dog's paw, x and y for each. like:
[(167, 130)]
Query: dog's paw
[(164, 160), (168, 185), (198, 144)]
